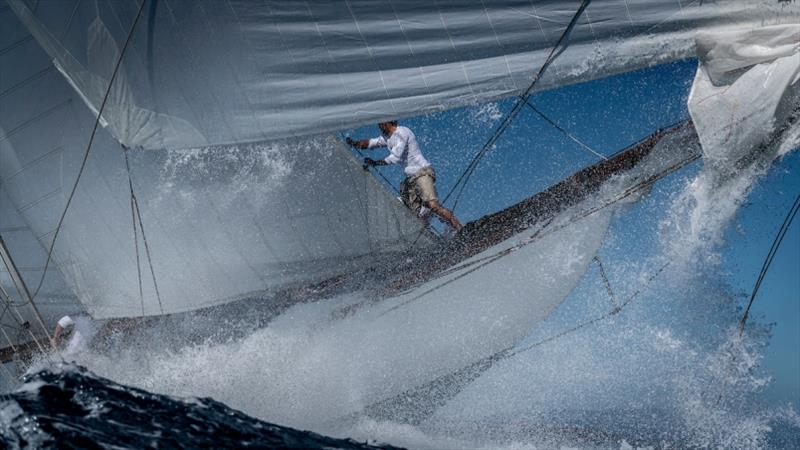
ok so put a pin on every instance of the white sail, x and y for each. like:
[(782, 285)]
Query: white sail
[(18, 322), (746, 90), (227, 214), (210, 72), (222, 222)]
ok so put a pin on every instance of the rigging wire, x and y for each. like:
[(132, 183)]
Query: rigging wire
[(511, 351), (607, 283), (136, 247), (88, 149), (365, 203), (6, 298), (515, 110), (23, 291), (378, 171), (599, 318), (564, 131), (147, 253), (787, 222), (137, 219)]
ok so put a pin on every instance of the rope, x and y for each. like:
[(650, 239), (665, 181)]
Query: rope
[(135, 231), (392, 186), (378, 171), (787, 222), (510, 352), (23, 291), (147, 253), (9, 304), (480, 260), (605, 281), (88, 150), (365, 203), (764, 268), (564, 131), (515, 110), (599, 318)]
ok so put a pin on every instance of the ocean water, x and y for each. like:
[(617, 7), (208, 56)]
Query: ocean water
[(65, 406)]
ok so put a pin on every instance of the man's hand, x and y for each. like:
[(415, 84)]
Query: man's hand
[(371, 162), (368, 162), (362, 144)]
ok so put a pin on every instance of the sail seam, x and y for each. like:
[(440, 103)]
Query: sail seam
[(453, 45), (13, 229), (39, 200), (411, 50), (31, 163), (30, 79), (371, 55), (331, 59), (679, 12), (33, 120), (16, 44)]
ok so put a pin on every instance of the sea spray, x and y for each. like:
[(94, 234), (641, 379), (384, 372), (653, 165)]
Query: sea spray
[(670, 370)]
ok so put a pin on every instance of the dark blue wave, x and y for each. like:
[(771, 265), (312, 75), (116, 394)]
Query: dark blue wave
[(66, 406)]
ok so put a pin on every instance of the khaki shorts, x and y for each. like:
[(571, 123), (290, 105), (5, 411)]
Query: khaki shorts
[(419, 189)]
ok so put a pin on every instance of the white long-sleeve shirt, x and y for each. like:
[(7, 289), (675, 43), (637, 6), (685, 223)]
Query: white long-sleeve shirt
[(403, 149)]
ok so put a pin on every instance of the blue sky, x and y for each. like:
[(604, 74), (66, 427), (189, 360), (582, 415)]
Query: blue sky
[(778, 299), (609, 115)]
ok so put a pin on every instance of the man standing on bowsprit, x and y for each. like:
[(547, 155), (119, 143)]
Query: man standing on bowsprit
[(418, 189)]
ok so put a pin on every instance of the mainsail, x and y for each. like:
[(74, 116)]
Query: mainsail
[(210, 87), (209, 72)]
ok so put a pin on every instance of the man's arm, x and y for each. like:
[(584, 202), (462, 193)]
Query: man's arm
[(57, 335), (61, 325), (364, 144)]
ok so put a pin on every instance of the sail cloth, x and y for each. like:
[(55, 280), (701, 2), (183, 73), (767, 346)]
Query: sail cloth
[(203, 72), (746, 89), (54, 300), (222, 221), (207, 82)]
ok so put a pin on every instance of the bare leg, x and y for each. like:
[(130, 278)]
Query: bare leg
[(444, 213)]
